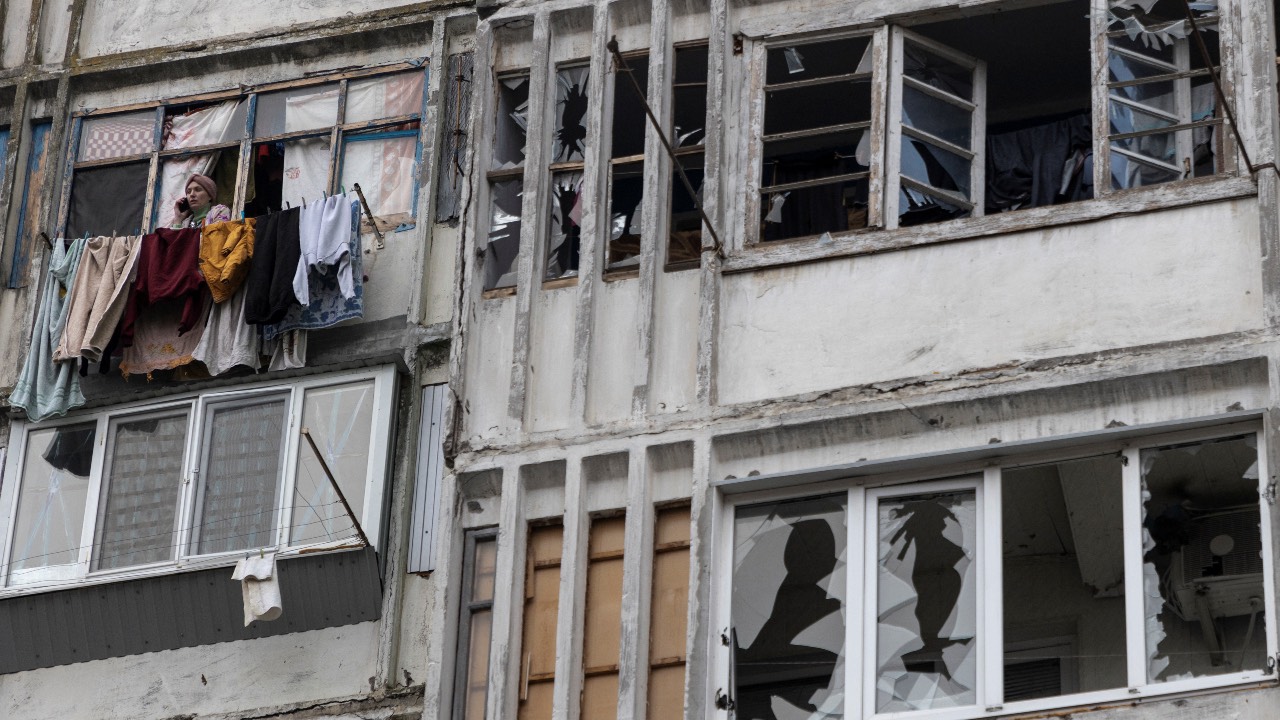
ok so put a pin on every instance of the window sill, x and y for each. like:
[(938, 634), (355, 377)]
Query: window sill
[(502, 292), (558, 283), (616, 275), (865, 242)]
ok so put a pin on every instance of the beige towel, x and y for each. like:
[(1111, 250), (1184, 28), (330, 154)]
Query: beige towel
[(98, 296)]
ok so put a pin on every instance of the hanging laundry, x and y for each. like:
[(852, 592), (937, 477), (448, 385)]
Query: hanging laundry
[(107, 269), (260, 588), (276, 254), (326, 244), (46, 387), (167, 270), (329, 304), (226, 249), (158, 342), (288, 350), (228, 340)]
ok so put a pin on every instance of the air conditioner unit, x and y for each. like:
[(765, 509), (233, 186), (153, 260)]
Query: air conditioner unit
[(1218, 572)]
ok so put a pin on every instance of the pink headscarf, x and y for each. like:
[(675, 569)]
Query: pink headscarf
[(204, 181)]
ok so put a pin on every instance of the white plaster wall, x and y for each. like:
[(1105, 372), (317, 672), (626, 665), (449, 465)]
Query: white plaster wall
[(268, 672), (54, 24), (946, 308), (115, 26), (550, 378), (674, 375), (13, 46), (488, 370), (437, 281), (615, 344), (392, 272)]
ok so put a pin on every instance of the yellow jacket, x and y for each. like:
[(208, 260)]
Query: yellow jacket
[(225, 251)]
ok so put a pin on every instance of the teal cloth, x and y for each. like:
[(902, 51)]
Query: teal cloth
[(47, 388)]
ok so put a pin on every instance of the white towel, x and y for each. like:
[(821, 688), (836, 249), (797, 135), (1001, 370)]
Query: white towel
[(261, 588)]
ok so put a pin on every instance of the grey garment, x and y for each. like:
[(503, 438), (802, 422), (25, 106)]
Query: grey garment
[(47, 388), (1025, 167), (288, 351), (228, 340)]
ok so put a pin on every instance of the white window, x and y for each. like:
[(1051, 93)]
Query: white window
[(1112, 572), (196, 480)]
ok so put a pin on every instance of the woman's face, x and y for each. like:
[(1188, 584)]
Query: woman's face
[(197, 198)]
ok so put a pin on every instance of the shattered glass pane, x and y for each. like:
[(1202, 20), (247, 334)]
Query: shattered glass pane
[(629, 119), (1155, 27), (504, 233), (1202, 560), (818, 60), (572, 101), (1063, 556), (926, 616), (566, 225), (626, 189), (815, 210), (512, 122), (933, 166), (918, 208), (937, 72), (1160, 52), (689, 97), (789, 565), (792, 109), (686, 222), (936, 117), (53, 487)]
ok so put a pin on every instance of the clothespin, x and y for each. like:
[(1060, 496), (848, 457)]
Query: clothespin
[(304, 202), (343, 188), (287, 206), (260, 553)]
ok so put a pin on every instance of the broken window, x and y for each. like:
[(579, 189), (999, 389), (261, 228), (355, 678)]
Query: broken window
[(689, 137), (150, 487), (29, 212), (506, 181), (541, 612), (569, 147), (1164, 123), (815, 167), (602, 625), (480, 565), (1202, 561), (669, 613), (788, 608), (626, 164)]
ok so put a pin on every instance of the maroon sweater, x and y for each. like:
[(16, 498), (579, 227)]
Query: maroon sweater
[(168, 269)]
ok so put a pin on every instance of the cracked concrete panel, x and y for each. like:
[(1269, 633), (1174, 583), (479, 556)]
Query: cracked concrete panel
[(789, 565), (1202, 553), (927, 613)]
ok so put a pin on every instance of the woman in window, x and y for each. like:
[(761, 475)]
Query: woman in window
[(196, 208)]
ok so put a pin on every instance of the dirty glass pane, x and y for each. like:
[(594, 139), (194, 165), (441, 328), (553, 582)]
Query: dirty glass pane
[(142, 484), (477, 690), (806, 211), (483, 572), (565, 238), (818, 60), (1127, 119), (1129, 173), (789, 564), (686, 222), (793, 109), (917, 208), (243, 447), (383, 164), (1158, 95), (1202, 560), (340, 420), (1063, 554), (207, 125), (1160, 147), (926, 602), (626, 190), (384, 97), (504, 233), (1122, 67), (107, 200), (936, 117), (933, 166), (52, 490), (309, 108), (689, 97), (629, 118), (936, 71), (112, 136), (572, 101), (512, 122)]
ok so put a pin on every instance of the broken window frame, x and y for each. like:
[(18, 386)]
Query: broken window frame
[(373, 483), (683, 153), (986, 477), (244, 145), (567, 168), (495, 177)]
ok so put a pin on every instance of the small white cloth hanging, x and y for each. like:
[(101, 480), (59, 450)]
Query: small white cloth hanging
[(261, 587)]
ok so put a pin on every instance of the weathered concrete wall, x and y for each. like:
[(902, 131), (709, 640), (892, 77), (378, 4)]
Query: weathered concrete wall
[(270, 672), (1050, 293)]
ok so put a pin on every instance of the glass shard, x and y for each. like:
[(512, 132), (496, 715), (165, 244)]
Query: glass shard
[(936, 71), (572, 101), (814, 210), (929, 164), (816, 60), (505, 200), (936, 117), (512, 122), (626, 190), (566, 225)]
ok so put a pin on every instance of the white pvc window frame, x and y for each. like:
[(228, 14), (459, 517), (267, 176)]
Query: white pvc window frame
[(196, 406), (987, 478)]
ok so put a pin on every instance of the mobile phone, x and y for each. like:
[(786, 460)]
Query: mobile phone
[(184, 206)]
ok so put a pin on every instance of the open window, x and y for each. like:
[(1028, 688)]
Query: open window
[(1114, 571)]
